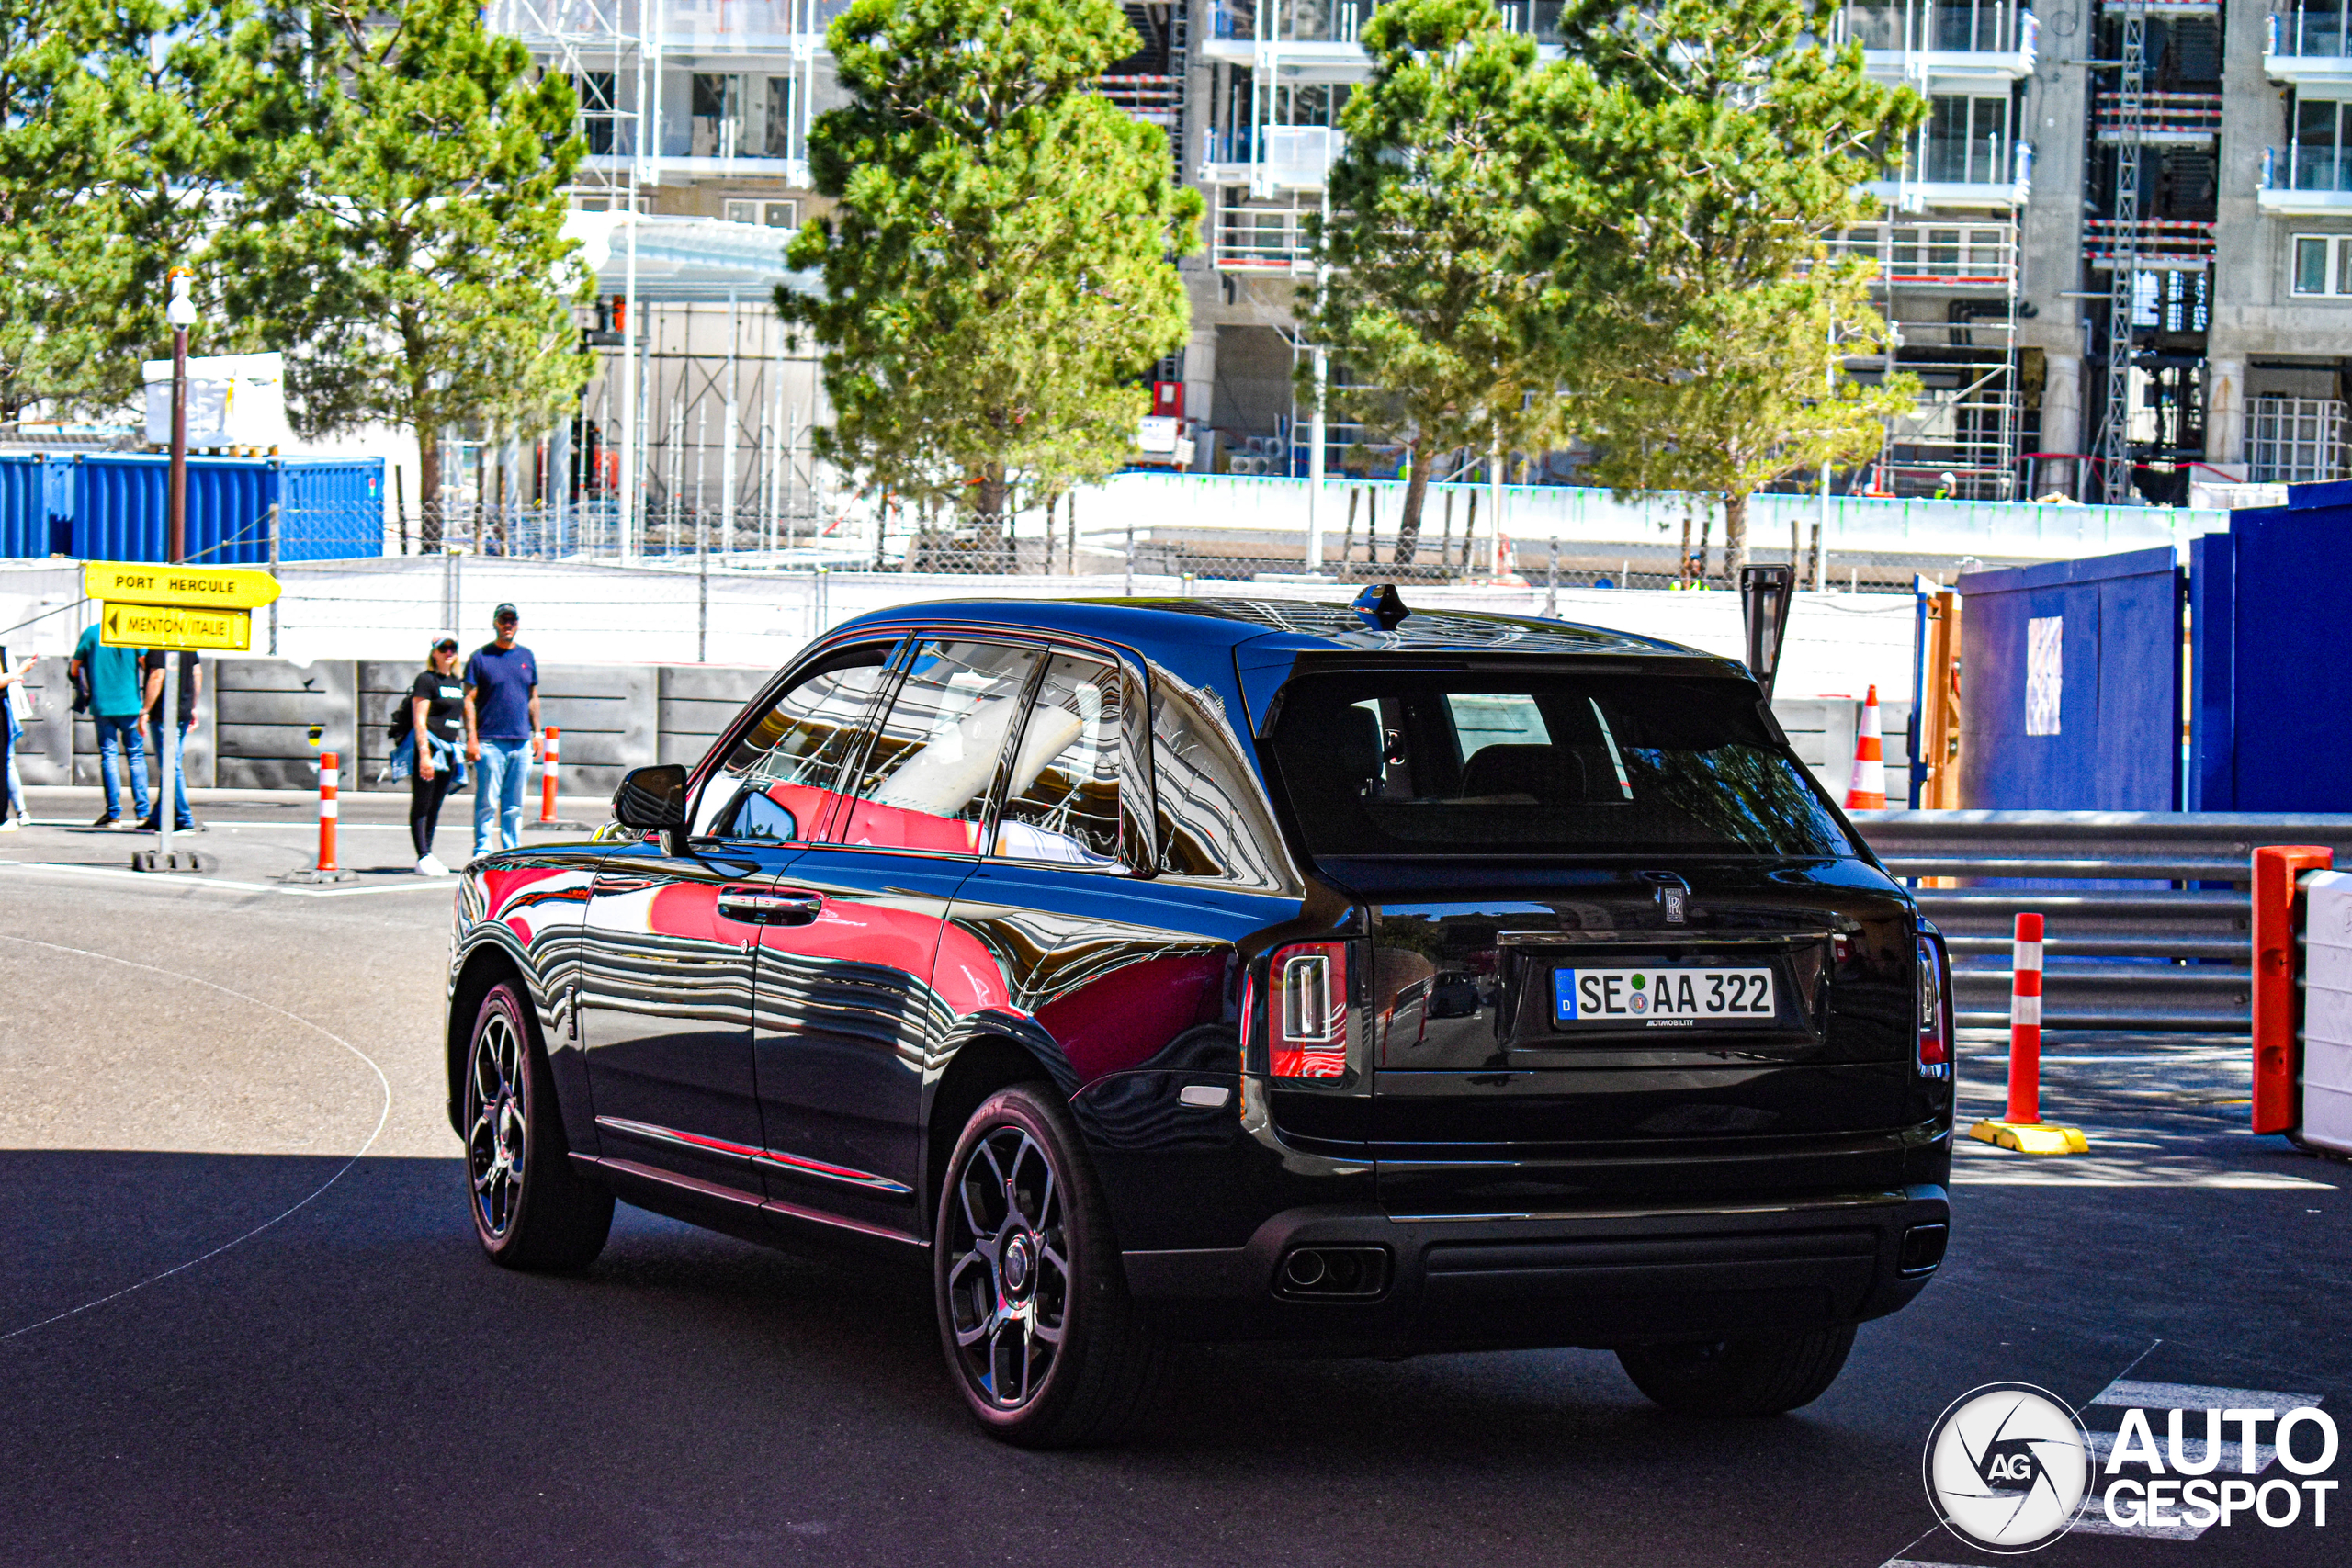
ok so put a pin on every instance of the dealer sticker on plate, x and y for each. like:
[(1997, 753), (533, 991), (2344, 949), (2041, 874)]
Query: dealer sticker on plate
[(1661, 997)]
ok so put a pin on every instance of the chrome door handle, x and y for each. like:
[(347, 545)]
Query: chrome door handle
[(763, 907)]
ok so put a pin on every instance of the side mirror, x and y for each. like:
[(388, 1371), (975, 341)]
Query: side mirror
[(652, 799)]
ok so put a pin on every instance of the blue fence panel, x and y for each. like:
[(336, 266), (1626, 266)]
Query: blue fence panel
[(2268, 736), (2070, 686)]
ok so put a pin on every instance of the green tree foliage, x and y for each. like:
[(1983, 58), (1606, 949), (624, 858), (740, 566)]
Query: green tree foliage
[(1437, 297), (1740, 145), (996, 273), (400, 233), (119, 122)]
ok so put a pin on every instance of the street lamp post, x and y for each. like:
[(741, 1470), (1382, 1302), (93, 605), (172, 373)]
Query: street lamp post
[(181, 313)]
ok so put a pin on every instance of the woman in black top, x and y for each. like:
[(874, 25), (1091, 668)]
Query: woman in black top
[(437, 720)]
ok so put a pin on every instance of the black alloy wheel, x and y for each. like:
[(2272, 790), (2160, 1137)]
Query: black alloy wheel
[(1767, 1375), (531, 1209), (1033, 1313)]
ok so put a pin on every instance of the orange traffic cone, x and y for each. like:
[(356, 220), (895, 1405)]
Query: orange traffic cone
[(1867, 790)]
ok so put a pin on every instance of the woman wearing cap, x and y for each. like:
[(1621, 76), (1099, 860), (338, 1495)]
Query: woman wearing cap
[(431, 755)]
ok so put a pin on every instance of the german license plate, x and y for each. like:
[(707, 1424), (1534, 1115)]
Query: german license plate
[(1660, 998)]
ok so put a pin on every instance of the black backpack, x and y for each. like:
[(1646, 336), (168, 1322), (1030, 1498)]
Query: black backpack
[(402, 718)]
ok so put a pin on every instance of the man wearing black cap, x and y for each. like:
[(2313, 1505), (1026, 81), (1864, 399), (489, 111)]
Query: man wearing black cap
[(501, 731)]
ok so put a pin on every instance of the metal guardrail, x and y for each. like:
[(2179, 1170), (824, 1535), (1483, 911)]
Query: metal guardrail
[(2149, 915)]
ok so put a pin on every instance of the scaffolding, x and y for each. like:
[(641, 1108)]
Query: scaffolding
[(2123, 119), (1948, 289)]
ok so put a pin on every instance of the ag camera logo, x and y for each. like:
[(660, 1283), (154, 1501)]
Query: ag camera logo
[(2007, 1467)]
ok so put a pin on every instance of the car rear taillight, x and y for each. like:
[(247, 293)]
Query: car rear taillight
[(1934, 1017), (1307, 1010)]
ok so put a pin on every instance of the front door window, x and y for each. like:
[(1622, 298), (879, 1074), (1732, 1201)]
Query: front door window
[(924, 781)]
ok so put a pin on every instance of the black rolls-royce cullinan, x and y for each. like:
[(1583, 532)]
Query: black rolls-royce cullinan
[(1364, 980)]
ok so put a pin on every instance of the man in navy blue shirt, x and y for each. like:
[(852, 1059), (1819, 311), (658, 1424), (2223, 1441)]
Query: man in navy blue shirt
[(501, 731)]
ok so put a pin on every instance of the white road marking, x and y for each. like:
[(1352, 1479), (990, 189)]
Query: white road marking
[(164, 883), (382, 1116), (2123, 1392)]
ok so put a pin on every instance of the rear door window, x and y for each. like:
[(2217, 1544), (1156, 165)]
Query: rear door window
[(1429, 762), (1062, 798), (924, 781)]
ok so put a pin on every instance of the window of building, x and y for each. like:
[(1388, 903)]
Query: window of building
[(714, 129), (767, 214), (597, 111), (2294, 440), (2323, 264), (2320, 144), (777, 143), (1965, 140)]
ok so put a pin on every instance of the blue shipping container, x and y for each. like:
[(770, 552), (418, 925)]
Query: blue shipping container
[(24, 505), (329, 509)]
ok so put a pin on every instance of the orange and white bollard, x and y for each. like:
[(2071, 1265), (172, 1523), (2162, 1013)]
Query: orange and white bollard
[(328, 776), (2022, 1129), (547, 780), (1866, 789)]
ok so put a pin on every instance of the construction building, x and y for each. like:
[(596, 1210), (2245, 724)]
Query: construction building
[(2118, 250)]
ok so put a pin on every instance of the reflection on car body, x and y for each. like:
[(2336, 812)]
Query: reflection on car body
[(1190, 970)]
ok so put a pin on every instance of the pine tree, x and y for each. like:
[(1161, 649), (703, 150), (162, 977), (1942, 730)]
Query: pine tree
[(1435, 253), (996, 273), (120, 123), (400, 233), (1706, 149)]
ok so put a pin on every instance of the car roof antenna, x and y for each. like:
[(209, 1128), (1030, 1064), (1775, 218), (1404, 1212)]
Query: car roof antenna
[(1381, 606)]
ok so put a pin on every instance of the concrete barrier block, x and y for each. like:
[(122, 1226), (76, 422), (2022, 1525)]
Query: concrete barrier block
[(732, 684), (266, 708)]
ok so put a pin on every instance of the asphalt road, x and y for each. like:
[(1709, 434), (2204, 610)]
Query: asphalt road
[(242, 1318)]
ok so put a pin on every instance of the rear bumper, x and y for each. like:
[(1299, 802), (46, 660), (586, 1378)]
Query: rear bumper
[(1591, 1279)]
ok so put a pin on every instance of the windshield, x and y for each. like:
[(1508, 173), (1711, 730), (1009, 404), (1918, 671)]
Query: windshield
[(1427, 763)]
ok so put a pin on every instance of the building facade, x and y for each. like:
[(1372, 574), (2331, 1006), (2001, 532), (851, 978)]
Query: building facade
[(2116, 251)]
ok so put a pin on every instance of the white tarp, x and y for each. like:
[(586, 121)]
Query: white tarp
[(233, 400)]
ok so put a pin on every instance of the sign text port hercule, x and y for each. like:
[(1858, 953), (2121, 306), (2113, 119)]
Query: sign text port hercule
[(193, 587)]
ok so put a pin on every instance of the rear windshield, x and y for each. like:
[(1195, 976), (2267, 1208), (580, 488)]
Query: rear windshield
[(1420, 763)]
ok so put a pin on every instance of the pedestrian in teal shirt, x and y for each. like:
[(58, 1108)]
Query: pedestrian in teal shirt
[(115, 708)]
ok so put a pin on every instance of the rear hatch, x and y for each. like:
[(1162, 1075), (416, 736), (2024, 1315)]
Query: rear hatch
[(1616, 948)]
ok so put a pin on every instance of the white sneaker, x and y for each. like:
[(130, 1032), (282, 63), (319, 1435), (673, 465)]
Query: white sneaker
[(427, 866)]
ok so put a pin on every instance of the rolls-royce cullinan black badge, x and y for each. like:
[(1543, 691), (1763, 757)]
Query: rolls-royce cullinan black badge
[(1215, 970)]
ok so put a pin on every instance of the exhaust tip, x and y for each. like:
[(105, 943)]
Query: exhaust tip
[(1329, 1273)]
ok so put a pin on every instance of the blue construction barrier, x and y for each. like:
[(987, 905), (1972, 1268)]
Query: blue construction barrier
[(2070, 686)]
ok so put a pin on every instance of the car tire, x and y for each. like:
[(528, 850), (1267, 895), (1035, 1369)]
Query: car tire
[(1042, 1340), (531, 1208), (1767, 1375)]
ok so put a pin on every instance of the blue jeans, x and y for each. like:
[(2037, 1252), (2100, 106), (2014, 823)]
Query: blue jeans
[(498, 795), (117, 732), (183, 818)]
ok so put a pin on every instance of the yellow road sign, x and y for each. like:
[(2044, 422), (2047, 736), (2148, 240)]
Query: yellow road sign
[(199, 587), (175, 625)]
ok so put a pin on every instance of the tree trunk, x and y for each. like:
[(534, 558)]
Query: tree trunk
[(1706, 528), (1417, 493), (1734, 535), (1682, 561), (429, 491)]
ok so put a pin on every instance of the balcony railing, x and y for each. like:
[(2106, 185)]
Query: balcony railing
[(2309, 32), (1944, 255), (2307, 168), (1290, 22), (2176, 118), (1950, 27), (2157, 244), (1250, 236)]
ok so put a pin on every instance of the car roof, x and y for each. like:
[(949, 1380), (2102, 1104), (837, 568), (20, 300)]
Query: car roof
[(1301, 625)]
